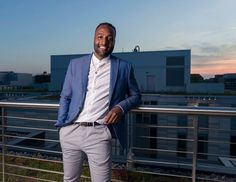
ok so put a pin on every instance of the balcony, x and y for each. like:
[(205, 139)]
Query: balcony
[(164, 143)]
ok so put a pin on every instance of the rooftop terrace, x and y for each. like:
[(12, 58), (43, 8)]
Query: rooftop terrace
[(165, 143)]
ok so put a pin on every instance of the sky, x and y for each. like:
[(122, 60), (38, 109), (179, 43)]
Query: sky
[(33, 30)]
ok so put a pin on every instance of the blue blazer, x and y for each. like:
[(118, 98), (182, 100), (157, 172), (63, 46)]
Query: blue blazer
[(123, 91)]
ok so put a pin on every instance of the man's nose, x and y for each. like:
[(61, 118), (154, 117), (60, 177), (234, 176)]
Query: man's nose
[(104, 41)]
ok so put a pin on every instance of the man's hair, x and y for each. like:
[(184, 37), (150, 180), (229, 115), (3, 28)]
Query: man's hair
[(106, 24)]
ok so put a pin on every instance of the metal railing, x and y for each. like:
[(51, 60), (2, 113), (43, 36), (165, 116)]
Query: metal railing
[(162, 140), (193, 129)]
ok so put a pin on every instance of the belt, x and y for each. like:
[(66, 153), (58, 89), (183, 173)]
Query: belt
[(87, 124)]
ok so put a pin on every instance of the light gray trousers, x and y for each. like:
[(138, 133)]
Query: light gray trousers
[(79, 141)]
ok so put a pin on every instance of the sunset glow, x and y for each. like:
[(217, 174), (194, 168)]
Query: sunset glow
[(220, 67)]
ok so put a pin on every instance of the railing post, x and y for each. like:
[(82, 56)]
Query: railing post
[(129, 161), (195, 147), (3, 142)]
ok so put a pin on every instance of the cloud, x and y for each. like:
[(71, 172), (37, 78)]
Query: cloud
[(220, 32), (214, 59), (223, 50), (206, 53), (208, 65)]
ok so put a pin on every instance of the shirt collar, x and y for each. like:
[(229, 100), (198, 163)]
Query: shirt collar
[(96, 61)]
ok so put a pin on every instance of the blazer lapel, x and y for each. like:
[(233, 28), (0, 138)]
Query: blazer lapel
[(113, 77), (85, 72)]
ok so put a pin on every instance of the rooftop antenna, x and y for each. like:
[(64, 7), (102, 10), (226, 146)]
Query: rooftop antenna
[(136, 48)]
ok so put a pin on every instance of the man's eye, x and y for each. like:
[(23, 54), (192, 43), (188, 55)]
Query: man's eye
[(110, 38)]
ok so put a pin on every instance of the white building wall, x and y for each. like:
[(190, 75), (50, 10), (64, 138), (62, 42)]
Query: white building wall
[(149, 67), (153, 63)]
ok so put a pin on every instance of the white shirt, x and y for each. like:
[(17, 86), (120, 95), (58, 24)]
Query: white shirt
[(96, 102)]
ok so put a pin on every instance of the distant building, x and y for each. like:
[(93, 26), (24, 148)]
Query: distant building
[(206, 88), (228, 79), (210, 129), (9, 80), (189, 100), (42, 78), (42, 81), (156, 71), (161, 71), (196, 78)]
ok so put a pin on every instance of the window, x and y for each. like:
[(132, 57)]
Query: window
[(153, 141), (139, 117), (202, 145), (233, 146), (203, 104), (203, 122), (175, 61), (181, 145), (233, 123), (174, 76), (146, 118), (154, 102), (233, 137), (182, 120), (154, 119), (175, 71)]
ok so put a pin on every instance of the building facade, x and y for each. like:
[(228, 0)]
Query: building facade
[(156, 71), (169, 136), (11, 79)]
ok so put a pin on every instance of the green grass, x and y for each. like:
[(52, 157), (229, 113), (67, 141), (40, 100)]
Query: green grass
[(118, 174)]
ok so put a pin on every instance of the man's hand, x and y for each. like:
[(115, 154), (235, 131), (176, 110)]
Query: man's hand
[(114, 115)]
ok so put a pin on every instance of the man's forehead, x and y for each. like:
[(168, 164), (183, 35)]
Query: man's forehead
[(101, 28)]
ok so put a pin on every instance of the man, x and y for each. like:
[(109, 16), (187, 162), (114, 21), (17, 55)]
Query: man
[(97, 91)]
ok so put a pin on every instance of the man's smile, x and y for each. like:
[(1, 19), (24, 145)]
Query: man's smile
[(102, 47)]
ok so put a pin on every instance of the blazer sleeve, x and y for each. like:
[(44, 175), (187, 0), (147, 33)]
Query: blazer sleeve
[(65, 97), (133, 98)]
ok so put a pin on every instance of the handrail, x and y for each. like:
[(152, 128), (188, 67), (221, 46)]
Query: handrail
[(216, 111), (190, 110), (29, 105)]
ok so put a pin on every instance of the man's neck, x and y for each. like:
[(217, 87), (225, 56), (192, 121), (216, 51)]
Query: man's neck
[(99, 58)]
